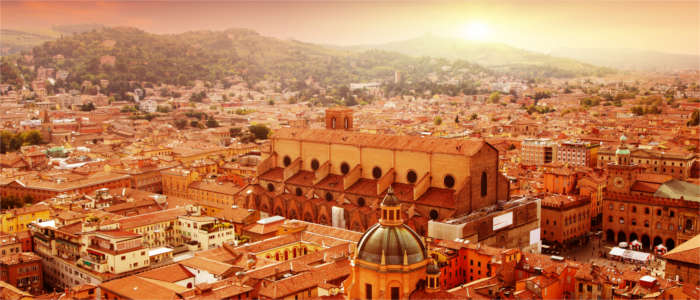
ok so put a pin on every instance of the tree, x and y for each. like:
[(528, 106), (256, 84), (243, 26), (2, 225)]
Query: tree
[(180, 124), (211, 123), (87, 107), (495, 97), (694, 118), (259, 131), (437, 121), (11, 202)]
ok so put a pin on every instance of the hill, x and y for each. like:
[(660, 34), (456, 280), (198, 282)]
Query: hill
[(127, 54), (14, 41), (496, 56), (631, 59)]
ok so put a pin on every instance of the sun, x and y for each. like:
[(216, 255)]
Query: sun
[(476, 31)]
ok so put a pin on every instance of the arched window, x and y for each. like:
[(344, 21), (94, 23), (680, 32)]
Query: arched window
[(484, 184), (361, 202), (270, 187), (314, 164), (287, 161), (298, 191)]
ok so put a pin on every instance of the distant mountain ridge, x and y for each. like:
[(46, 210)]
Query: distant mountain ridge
[(632, 59), (497, 56)]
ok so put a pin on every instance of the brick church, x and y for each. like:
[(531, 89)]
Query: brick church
[(337, 176)]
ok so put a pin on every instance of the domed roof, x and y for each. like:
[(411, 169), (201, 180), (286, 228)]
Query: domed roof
[(623, 138), (393, 241)]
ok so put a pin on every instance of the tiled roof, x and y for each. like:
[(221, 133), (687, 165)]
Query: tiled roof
[(398, 142), (169, 273), (688, 252), (202, 263), (134, 287), (151, 218)]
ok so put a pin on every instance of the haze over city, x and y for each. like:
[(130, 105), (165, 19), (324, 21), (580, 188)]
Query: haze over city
[(668, 26), (349, 150)]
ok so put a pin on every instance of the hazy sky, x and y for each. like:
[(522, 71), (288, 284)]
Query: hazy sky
[(669, 26)]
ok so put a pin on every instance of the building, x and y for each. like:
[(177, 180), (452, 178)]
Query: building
[(537, 152), (582, 154), (391, 259), (24, 271), (114, 251), (45, 186), (565, 219), (683, 262), (677, 164), (338, 177), (9, 244), (637, 207), (15, 220), (202, 232)]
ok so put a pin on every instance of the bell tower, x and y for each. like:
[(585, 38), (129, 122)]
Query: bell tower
[(339, 118), (623, 172)]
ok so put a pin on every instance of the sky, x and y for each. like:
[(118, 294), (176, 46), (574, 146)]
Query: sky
[(666, 26)]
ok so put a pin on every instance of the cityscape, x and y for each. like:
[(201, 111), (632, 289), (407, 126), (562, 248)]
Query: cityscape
[(349, 150)]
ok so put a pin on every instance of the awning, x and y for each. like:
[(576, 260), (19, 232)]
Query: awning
[(629, 254)]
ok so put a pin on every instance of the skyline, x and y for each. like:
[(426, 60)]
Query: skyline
[(653, 26)]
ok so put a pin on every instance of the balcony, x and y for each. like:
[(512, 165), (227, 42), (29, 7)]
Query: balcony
[(92, 262)]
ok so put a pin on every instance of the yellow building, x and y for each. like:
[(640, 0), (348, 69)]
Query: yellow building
[(176, 181), (16, 220)]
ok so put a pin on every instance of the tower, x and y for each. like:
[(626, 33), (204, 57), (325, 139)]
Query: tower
[(391, 259), (339, 118), (623, 173)]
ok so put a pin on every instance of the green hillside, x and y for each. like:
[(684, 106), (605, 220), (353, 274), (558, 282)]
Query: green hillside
[(214, 55), (496, 56)]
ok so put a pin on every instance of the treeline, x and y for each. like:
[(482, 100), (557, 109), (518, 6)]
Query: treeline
[(10, 142), (127, 57)]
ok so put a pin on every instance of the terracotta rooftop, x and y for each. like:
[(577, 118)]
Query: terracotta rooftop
[(394, 142), (688, 252)]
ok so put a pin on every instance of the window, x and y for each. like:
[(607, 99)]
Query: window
[(688, 224), (671, 214), (368, 291), (433, 214), (394, 293), (286, 161), (314, 164), (634, 222), (377, 172), (610, 219), (589, 288), (658, 212), (329, 197), (634, 209), (344, 168), (298, 192), (333, 123), (658, 225), (361, 202), (484, 184), (346, 123), (123, 257), (646, 223), (622, 221), (270, 187), (610, 207), (646, 210), (622, 207), (411, 176)]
